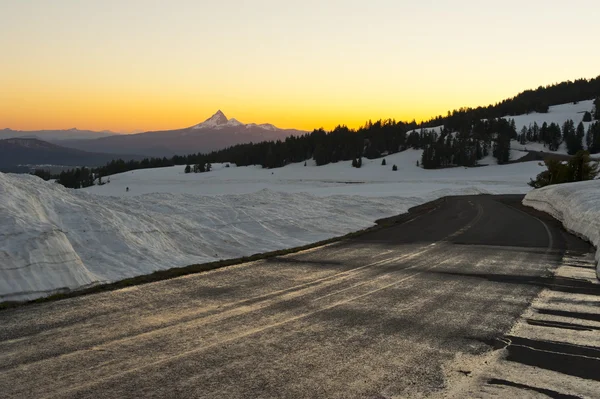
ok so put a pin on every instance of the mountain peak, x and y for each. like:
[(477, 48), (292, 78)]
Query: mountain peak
[(218, 119)]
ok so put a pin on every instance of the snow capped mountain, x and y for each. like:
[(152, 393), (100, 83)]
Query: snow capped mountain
[(215, 133), (266, 126), (217, 120), (234, 122), (220, 121)]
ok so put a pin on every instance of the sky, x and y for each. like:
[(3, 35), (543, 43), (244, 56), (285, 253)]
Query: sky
[(137, 65)]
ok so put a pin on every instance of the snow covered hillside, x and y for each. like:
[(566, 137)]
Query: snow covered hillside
[(372, 180), (576, 205), (558, 114), (55, 238)]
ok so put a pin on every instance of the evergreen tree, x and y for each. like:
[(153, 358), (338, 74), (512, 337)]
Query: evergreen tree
[(536, 132), (556, 173), (587, 116), (42, 173), (523, 136), (394, 168), (554, 136), (573, 138), (581, 168), (188, 168), (501, 150), (597, 109), (593, 138), (544, 137), (383, 162)]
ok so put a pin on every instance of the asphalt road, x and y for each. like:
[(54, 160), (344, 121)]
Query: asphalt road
[(388, 314)]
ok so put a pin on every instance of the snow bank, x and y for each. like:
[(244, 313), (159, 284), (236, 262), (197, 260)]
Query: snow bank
[(576, 205), (53, 238)]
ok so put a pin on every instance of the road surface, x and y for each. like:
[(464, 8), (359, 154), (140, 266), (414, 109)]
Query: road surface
[(405, 311)]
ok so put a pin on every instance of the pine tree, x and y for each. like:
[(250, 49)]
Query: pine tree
[(513, 128), (394, 168), (383, 162), (573, 138), (597, 109), (188, 168), (501, 150), (580, 134), (593, 138), (536, 132), (523, 135), (544, 136), (581, 168), (554, 137), (587, 116)]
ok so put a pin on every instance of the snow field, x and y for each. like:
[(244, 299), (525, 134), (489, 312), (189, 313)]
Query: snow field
[(371, 180), (55, 238), (558, 114), (576, 205)]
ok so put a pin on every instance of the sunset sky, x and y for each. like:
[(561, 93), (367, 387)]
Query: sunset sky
[(133, 65)]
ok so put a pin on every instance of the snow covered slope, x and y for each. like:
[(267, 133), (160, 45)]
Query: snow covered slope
[(372, 180), (558, 114), (576, 205), (55, 238)]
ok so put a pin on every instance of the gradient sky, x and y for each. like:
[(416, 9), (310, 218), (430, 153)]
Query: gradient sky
[(128, 65)]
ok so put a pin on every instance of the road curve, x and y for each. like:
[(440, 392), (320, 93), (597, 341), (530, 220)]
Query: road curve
[(388, 314)]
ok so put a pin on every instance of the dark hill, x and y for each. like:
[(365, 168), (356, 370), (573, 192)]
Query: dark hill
[(34, 152)]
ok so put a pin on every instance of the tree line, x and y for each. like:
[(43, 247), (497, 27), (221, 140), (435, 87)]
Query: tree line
[(552, 135), (538, 100)]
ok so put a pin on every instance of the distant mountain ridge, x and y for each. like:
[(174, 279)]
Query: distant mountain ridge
[(215, 133), (34, 152), (55, 135)]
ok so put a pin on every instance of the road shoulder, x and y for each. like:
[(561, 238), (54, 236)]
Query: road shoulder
[(552, 351)]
